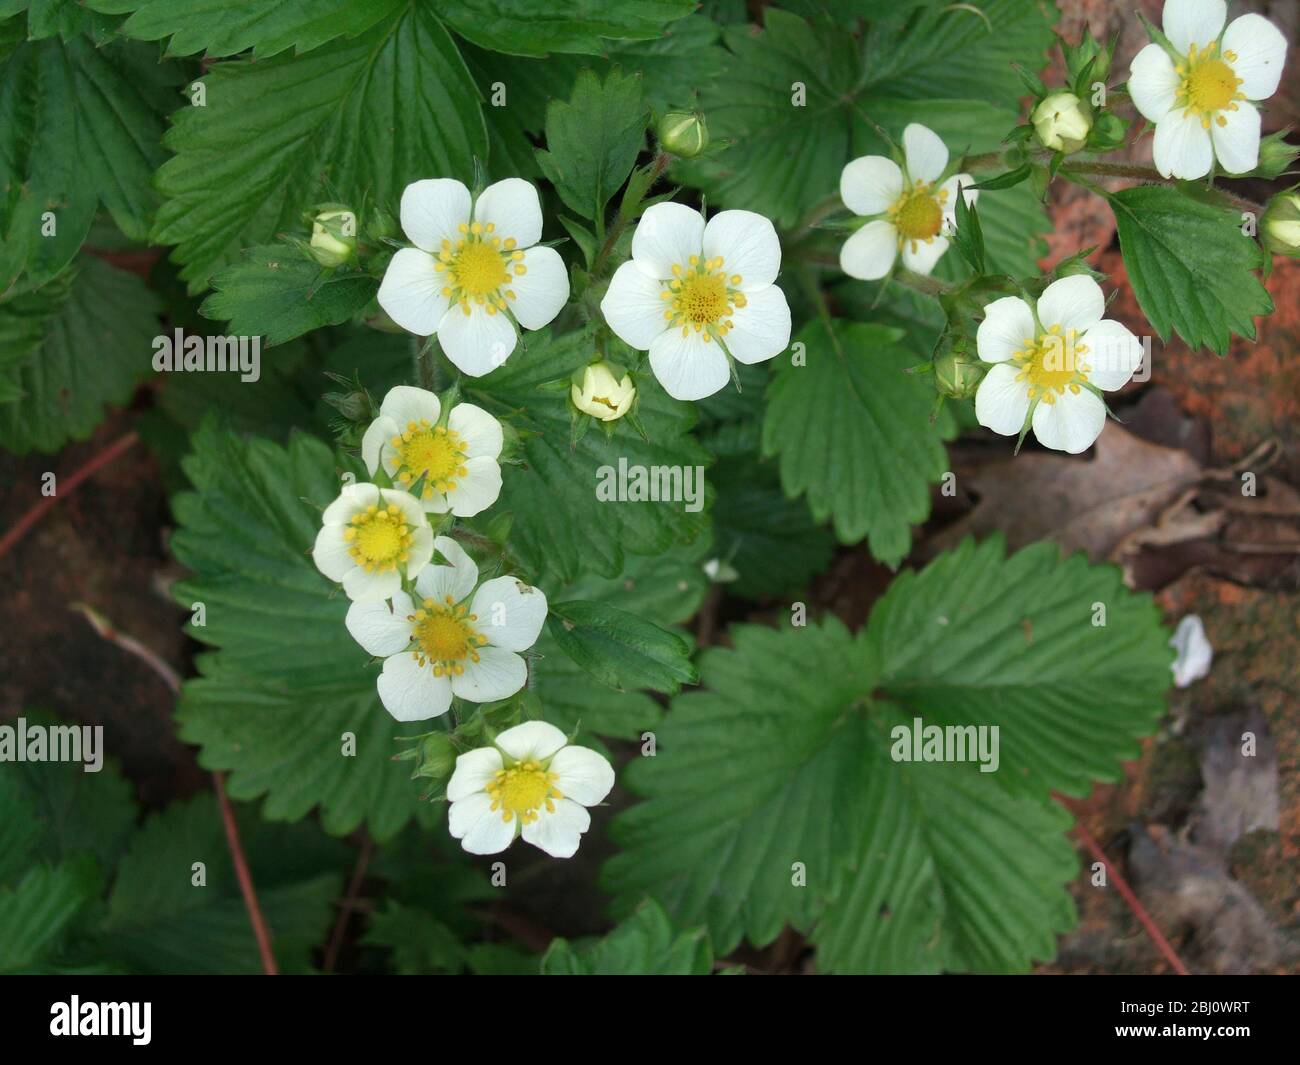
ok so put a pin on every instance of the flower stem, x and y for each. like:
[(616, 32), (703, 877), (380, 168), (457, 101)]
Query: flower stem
[(626, 212)]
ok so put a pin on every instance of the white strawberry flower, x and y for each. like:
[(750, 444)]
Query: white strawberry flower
[(450, 639), (1200, 96), (692, 294), (529, 783), (910, 210), (474, 271), (1051, 360), (458, 459), (369, 538)]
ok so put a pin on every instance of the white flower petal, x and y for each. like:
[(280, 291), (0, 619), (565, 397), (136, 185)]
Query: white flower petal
[(411, 292), (686, 366), (1075, 302), (510, 613), (497, 674), (667, 235), (478, 342), (926, 154), (381, 430), (1008, 323), (634, 306), (379, 630), (513, 209), (421, 550), (479, 431), (410, 692), (1001, 402), (1182, 147), (1193, 652), (352, 498), (1113, 354), (869, 253), (969, 194), (432, 211), (1236, 138), (1153, 83), (871, 184), (920, 256), (1072, 423), (477, 490), (748, 245), (405, 403), (457, 579), (479, 827), (331, 553), (1193, 22), (534, 741), (582, 775), (558, 832), (760, 329), (363, 587), (1260, 49), (542, 292), (474, 771)]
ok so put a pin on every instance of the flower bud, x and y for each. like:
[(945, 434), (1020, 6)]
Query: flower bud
[(1280, 226), (956, 374), (603, 393), (437, 757), (1062, 123), (333, 236), (683, 133), (1276, 156)]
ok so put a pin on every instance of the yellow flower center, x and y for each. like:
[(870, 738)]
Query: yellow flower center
[(444, 634), (477, 266), (918, 214), (522, 790), (1208, 84), (380, 538), (1052, 363), (701, 297), (433, 452)]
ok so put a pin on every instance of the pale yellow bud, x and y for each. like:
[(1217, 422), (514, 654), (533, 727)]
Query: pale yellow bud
[(334, 236), (602, 394), (1062, 123)]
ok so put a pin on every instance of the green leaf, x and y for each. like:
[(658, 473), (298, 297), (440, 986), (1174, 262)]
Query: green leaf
[(36, 911), (562, 528), (80, 126), (273, 705), (419, 942), (109, 314), (978, 638), (536, 27), (277, 292), (645, 944), (225, 28), (25, 316), (852, 431), (620, 649), (593, 139), (360, 116), (1192, 268)]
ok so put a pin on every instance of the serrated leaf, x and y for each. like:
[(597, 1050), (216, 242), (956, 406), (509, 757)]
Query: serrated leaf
[(360, 116), (1191, 267), (419, 942), (645, 944), (62, 391), (562, 528), (592, 140), (277, 292), (80, 126), (536, 27), (225, 28), (35, 912), (620, 649), (852, 430)]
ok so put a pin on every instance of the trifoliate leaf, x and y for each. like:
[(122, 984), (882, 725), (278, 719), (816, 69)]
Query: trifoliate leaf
[(80, 125), (266, 26), (621, 650), (536, 27), (277, 292), (578, 509), (853, 432), (1192, 268), (645, 944), (592, 140), (97, 345), (360, 116)]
